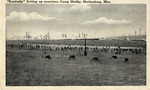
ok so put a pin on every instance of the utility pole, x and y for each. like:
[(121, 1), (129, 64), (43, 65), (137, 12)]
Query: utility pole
[(140, 31), (85, 53), (135, 33)]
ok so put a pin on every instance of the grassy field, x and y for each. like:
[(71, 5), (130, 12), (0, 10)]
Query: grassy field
[(30, 68)]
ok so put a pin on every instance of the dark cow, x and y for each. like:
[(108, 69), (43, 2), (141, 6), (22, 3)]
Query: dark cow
[(95, 59), (72, 57), (48, 57), (126, 60), (114, 57)]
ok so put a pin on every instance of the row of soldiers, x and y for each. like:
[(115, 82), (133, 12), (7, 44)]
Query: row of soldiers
[(54, 47)]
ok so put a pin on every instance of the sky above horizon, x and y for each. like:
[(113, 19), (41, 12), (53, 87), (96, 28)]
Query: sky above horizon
[(98, 20)]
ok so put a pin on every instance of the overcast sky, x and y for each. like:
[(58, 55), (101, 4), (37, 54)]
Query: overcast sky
[(99, 20)]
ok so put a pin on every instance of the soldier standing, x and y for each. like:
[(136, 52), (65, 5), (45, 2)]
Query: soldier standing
[(12, 45)]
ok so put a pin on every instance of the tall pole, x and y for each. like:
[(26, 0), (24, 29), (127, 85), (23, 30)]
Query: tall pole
[(85, 53), (140, 31)]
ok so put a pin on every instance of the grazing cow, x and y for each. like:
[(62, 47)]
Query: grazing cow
[(126, 60), (114, 57), (95, 59), (72, 57), (48, 57)]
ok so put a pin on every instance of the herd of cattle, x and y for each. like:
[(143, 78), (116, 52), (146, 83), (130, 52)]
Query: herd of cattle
[(52, 47)]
